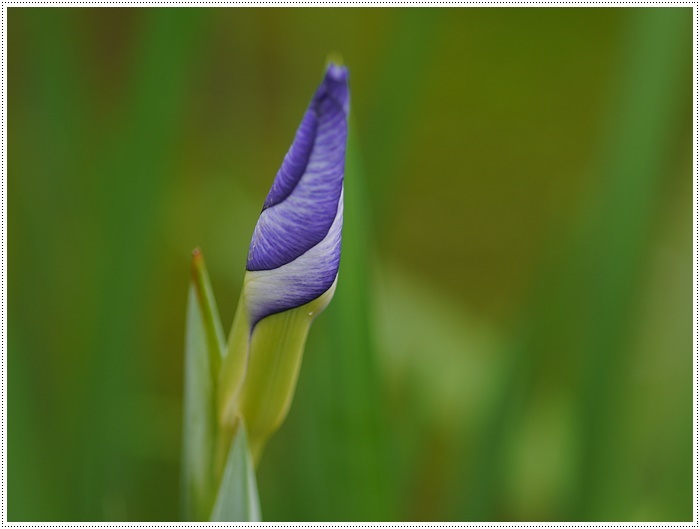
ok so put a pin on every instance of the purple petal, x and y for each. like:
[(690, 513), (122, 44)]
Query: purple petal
[(298, 282), (303, 201)]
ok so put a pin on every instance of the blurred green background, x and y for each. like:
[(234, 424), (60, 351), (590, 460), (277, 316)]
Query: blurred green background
[(511, 338)]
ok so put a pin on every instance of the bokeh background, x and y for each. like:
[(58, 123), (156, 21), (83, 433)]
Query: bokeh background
[(511, 338)]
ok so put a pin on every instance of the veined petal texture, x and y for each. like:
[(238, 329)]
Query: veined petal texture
[(295, 250), (299, 281)]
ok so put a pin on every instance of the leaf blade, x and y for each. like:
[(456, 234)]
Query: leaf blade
[(237, 498), (203, 349)]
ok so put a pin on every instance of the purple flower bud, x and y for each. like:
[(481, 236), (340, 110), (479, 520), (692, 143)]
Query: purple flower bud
[(295, 250)]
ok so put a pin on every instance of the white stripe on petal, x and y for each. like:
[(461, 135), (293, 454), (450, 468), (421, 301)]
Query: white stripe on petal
[(298, 282)]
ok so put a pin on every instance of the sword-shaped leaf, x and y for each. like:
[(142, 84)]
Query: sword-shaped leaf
[(237, 499), (204, 344)]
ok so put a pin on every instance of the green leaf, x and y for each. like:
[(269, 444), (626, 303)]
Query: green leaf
[(214, 333), (237, 499), (203, 348)]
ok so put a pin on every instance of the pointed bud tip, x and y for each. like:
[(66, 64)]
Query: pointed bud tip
[(336, 72), (335, 84)]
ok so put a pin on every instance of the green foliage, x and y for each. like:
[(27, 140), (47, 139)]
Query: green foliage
[(199, 422), (237, 499), (203, 351), (208, 491), (528, 219)]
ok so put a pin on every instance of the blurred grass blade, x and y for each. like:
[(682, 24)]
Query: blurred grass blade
[(413, 46), (635, 155), (237, 499), (203, 348), (591, 290), (357, 451)]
